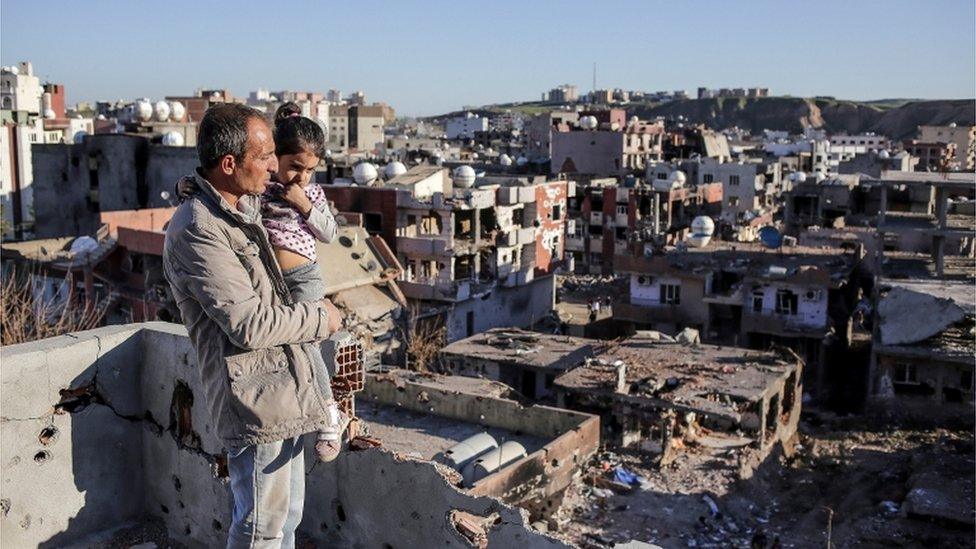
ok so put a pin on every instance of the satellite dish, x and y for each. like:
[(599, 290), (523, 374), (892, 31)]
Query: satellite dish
[(770, 237)]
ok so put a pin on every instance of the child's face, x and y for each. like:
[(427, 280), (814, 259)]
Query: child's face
[(297, 168)]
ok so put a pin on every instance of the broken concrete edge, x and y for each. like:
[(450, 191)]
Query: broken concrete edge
[(901, 308), (495, 514), (92, 382)]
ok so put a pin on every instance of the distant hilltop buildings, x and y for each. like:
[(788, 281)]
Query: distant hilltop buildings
[(568, 93)]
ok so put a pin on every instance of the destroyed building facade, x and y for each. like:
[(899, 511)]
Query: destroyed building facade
[(605, 214), (659, 395), (747, 295), (923, 348), (528, 362), (477, 256)]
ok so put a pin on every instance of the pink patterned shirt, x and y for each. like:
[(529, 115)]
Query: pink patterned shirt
[(287, 227)]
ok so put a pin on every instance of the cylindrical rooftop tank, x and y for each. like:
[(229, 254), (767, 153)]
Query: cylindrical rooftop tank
[(364, 173), (143, 110), (464, 176), (507, 453), (177, 111), (394, 169), (161, 111), (505, 160), (467, 450)]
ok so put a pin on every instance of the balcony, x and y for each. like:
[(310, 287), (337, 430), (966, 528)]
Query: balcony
[(429, 246), (654, 314), (780, 324)]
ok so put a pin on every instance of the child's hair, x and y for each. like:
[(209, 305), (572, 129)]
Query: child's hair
[(295, 133)]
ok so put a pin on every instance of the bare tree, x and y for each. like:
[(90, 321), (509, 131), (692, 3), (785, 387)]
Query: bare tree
[(424, 337), (25, 314)]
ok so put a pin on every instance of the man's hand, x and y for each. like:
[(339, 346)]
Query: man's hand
[(333, 316), (294, 194)]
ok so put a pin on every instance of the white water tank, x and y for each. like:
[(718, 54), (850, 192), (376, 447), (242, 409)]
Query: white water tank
[(161, 111), (702, 229), (588, 122), (177, 111), (507, 453), (173, 139), (364, 173), (466, 451), (394, 169), (505, 160), (884, 155), (464, 176), (143, 110)]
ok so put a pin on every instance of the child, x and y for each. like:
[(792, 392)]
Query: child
[(295, 213)]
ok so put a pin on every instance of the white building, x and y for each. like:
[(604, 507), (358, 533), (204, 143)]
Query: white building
[(20, 90), (16, 178), (868, 140), (464, 127)]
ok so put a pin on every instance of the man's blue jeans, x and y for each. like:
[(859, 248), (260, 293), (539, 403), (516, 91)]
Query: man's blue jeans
[(268, 483)]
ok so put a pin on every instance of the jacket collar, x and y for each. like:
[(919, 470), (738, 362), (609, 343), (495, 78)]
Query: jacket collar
[(248, 208)]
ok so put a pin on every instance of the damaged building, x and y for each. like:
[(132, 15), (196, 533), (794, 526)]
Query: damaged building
[(604, 214), (74, 183), (477, 252), (661, 395), (528, 362), (523, 455), (120, 432), (924, 368), (124, 269), (747, 295)]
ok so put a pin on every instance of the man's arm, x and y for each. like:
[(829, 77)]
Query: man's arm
[(211, 273)]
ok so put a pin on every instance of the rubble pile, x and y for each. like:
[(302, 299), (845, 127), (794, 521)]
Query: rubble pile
[(899, 488)]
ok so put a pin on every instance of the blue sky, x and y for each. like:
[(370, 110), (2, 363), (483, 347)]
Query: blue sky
[(430, 57)]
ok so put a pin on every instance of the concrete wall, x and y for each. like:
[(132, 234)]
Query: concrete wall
[(598, 153), (131, 439), (518, 306), (130, 174)]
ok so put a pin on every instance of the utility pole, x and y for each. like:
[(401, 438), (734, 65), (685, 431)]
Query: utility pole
[(594, 77)]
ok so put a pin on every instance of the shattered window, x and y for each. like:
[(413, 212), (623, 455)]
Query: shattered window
[(906, 373), (786, 302), (670, 294)]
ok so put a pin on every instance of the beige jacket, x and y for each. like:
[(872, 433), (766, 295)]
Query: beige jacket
[(257, 377)]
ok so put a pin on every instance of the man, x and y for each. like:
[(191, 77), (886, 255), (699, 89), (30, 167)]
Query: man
[(256, 373)]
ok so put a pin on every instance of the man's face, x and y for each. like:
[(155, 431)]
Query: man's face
[(259, 162)]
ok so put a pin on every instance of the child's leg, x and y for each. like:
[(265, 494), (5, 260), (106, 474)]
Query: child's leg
[(305, 284)]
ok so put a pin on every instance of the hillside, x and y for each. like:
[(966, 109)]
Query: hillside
[(896, 118)]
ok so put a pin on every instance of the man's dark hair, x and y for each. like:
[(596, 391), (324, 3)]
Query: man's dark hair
[(296, 134), (223, 131)]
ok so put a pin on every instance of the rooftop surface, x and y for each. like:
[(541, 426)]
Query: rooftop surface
[(524, 348), (423, 436), (803, 264), (707, 377)]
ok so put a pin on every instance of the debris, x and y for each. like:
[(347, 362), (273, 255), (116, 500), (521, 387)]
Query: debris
[(364, 443), (626, 477), (711, 505)]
